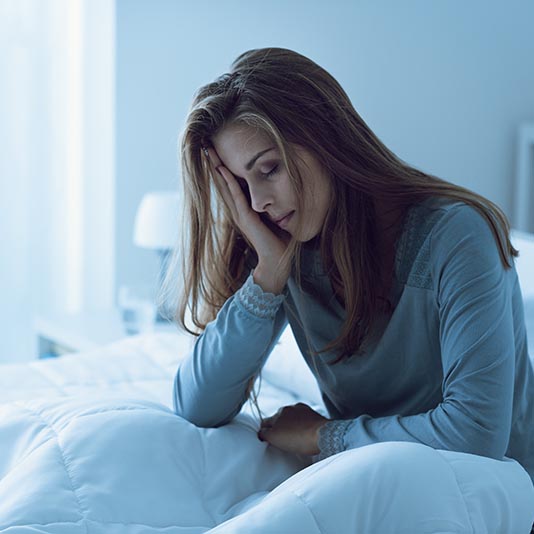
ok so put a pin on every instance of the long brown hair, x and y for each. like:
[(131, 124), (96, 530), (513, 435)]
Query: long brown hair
[(296, 102)]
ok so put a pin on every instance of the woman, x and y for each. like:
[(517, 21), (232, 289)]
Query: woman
[(400, 288)]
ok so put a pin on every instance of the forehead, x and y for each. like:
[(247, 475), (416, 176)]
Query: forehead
[(236, 144), (240, 134)]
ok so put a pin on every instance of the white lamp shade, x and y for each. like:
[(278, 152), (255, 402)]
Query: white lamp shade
[(157, 219)]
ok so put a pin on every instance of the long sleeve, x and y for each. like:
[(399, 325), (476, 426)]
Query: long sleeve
[(476, 336), (210, 384)]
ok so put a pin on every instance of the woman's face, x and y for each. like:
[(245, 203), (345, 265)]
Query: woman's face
[(255, 162)]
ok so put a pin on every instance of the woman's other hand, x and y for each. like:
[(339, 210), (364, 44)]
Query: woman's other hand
[(293, 429)]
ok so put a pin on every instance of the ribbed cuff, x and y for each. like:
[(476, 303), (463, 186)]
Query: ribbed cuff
[(258, 302), (331, 438)]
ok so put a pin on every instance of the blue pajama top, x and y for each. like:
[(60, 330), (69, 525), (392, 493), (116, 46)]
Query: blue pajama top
[(448, 368)]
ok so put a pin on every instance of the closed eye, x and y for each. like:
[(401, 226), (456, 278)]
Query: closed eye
[(274, 170)]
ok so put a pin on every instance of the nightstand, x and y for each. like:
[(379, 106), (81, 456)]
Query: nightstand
[(66, 333)]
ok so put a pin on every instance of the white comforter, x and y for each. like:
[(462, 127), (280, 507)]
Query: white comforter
[(89, 444)]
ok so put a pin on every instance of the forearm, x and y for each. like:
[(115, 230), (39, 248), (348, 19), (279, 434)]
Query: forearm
[(447, 427), (211, 384)]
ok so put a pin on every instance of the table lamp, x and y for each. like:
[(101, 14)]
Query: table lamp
[(156, 227)]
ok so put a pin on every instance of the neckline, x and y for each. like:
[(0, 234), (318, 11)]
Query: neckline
[(312, 263), (399, 245)]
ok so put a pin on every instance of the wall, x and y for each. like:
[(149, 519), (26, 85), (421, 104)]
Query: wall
[(445, 84)]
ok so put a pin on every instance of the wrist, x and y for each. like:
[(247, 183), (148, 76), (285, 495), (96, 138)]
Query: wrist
[(315, 437), (267, 281)]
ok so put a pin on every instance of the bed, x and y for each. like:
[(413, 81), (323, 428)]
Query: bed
[(89, 444)]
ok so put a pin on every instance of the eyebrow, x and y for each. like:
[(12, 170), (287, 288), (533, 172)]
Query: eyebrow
[(250, 164)]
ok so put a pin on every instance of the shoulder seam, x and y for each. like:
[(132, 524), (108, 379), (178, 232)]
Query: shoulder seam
[(414, 253)]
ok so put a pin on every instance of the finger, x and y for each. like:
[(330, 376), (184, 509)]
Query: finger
[(212, 156), (238, 196), (214, 163), (263, 434), (243, 215), (267, 423), (223, 188), (229, 179)]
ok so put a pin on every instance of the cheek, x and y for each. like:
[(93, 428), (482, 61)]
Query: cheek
[(317, 201), (324, 208), (323, 199), (317, 207), (286, 193)]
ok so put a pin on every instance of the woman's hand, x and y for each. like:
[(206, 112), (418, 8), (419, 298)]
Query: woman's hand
[(293, 429), (268, 246)]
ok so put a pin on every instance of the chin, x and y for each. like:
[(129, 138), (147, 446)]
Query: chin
[(309, 237)]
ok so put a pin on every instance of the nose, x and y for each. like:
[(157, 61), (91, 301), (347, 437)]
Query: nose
[(261, 196)]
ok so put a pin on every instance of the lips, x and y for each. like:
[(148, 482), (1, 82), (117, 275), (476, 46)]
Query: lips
[(278, 219), (282, 222)]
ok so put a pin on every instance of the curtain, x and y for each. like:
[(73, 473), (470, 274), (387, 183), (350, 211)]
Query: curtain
[(56, 164)]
